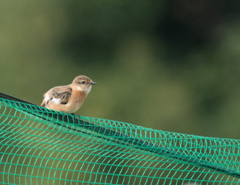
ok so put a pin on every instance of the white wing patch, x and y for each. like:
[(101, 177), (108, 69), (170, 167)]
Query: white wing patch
[(47, 97), (56, 100)]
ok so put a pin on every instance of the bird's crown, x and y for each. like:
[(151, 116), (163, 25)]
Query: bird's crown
[(82, 80)]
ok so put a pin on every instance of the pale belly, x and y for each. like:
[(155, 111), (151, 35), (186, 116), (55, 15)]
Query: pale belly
[(74, 107), (70, 107)]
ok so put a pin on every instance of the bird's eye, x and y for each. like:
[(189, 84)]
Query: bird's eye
[(83, 82)]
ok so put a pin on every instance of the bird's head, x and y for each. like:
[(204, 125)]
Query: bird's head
[(83, 83)]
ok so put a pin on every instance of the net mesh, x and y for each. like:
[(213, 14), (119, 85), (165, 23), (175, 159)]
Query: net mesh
[(41, 146)]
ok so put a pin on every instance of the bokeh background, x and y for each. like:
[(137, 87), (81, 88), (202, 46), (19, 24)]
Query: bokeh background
[(170, 65)]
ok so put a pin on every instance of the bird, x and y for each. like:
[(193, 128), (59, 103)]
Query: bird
[(68, 98)]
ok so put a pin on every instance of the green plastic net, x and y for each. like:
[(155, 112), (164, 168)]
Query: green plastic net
[(41, 146)]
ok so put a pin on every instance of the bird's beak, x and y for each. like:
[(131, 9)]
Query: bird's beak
[(93, 83)]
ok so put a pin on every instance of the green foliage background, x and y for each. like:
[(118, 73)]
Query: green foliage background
[(168, 65)]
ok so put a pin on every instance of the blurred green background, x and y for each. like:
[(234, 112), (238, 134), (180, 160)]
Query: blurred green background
[(169, 65)]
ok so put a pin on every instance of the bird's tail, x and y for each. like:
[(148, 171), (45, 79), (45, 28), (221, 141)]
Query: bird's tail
[(43, 103)]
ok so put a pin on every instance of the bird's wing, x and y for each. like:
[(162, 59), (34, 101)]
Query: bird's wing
[(58, 95)]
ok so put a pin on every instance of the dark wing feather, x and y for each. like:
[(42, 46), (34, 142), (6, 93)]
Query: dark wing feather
[(64, 93)]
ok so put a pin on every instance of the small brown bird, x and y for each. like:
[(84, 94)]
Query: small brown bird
[(68, 98)]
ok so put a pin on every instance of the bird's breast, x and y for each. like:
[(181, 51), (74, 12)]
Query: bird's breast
[(76, 101)]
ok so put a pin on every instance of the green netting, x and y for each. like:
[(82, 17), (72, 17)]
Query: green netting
[(41, 146)]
